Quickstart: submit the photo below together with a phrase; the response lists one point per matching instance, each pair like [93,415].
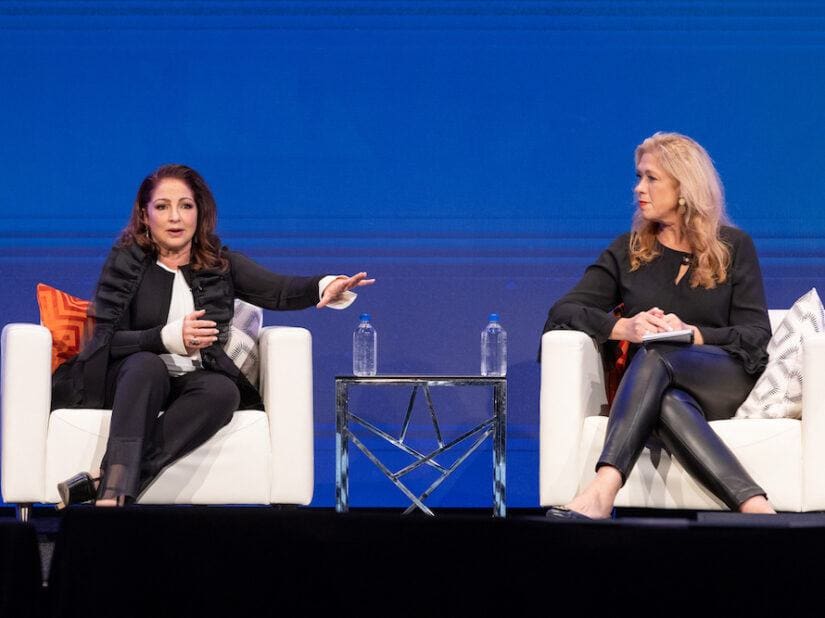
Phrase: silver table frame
[494,426]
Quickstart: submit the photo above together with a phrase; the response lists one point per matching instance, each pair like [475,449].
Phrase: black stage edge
[257,561]
[20,575]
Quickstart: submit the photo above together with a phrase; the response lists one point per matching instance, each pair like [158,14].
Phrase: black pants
[672,391]
[141,443]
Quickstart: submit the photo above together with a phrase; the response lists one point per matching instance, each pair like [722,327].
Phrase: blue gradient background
[473,156]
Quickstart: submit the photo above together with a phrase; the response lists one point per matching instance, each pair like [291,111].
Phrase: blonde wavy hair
[703,212]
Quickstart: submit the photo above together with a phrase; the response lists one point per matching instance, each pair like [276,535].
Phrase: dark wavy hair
[206,246]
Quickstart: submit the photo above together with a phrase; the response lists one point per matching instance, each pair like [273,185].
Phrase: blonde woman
[682,267]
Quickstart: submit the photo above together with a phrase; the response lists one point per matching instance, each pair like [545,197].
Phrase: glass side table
[466,443]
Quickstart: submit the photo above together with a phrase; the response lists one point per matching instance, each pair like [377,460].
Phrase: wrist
[619,330]
[172,337]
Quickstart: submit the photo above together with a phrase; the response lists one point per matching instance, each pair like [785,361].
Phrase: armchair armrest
[572,388]
[813,423]
[286,390]
[26,402]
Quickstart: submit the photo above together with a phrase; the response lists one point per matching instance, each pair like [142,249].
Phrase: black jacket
[130,308]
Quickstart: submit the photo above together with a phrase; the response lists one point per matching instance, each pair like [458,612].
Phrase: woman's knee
[223,396]
[145,366]
[676,404]
[648,361]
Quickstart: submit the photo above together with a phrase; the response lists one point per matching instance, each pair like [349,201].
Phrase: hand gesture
[198,334]
[335,290]
[652,321]
[676,323]
[643,323]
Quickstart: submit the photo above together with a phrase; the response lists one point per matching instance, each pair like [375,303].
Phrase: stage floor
[46,521]
[250,560]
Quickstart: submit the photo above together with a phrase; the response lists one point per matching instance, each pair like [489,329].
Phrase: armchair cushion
[778,391]
[232,467]
[67,320]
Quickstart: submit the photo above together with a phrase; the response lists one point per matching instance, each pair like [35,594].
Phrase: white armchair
[260,457]
[785,456]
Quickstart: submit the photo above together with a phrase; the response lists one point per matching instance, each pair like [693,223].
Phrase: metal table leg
[341,447]
[499,450]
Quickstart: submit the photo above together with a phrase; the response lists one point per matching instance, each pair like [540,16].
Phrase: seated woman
[162,309]
[680,267]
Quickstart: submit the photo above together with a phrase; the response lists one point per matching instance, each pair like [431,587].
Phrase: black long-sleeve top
[733,315]
[139,329]
[131,306]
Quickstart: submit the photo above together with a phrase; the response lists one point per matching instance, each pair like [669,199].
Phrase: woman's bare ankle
[597,499]
[757,505]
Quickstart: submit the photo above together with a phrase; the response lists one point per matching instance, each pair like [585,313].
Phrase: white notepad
[673,336]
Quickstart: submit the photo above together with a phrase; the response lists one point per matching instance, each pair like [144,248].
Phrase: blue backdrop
[472,156]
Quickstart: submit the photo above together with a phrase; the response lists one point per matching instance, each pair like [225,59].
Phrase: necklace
[687,259]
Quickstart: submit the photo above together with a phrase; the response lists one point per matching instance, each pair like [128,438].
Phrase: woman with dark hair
[681,268]
[162,310]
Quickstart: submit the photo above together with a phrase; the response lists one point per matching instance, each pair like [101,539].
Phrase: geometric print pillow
[778,391]
[242,345]
[67,320]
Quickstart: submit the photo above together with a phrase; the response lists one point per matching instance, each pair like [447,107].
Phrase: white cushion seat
[226,470]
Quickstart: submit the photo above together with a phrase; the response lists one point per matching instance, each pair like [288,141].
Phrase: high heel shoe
[560,513]
[79,488]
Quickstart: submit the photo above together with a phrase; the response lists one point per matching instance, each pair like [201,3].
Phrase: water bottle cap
[493,317]
[364,317]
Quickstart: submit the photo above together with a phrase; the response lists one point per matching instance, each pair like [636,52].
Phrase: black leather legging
[672,391]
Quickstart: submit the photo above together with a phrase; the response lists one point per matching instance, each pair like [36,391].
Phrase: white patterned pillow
[778,392]
[242,346]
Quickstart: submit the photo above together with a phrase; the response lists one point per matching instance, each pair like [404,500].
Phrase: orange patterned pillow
[66,318]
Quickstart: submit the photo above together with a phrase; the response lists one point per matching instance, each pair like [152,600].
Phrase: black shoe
[561,513]
[79,488]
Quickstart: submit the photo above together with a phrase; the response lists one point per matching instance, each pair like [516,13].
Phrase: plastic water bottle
[493,348]
[365,348]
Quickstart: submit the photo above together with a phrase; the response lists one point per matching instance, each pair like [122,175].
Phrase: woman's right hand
[198,334]
[644,322]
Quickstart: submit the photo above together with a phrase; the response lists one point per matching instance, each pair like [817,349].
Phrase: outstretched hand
[336,289]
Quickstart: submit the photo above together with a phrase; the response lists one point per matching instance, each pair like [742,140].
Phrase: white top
[178,362]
